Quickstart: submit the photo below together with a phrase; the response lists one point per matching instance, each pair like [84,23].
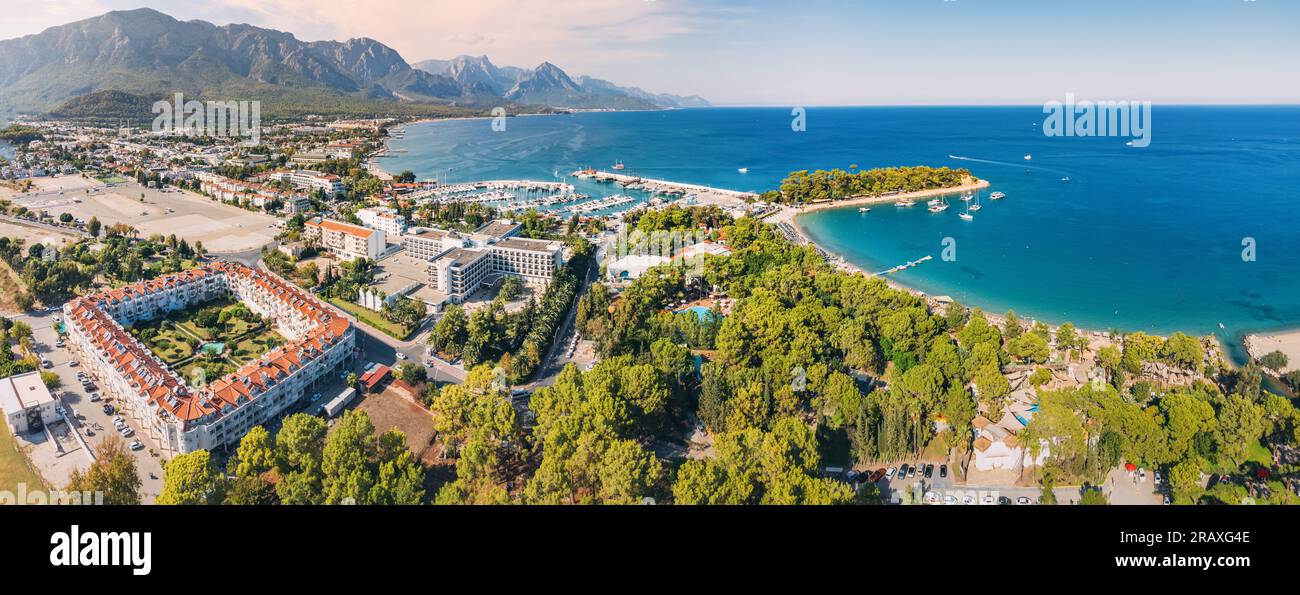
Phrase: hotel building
[180,415]
[329,184]
[344,239]
[458,267]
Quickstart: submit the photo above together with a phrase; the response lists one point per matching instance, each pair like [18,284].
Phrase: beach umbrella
[1130,466]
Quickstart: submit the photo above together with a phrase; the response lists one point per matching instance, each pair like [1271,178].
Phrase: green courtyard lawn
[172,346]
[371,318]
[176,339]
[13,465]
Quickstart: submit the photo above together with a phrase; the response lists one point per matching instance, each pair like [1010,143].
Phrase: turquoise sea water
[1138,239]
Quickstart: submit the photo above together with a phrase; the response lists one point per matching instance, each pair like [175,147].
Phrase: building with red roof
[183,415]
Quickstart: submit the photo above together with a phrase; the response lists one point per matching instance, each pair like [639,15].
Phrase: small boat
[967,197]
[938,208]
[966,217]
[619,166]
[933,201]
[1029,157]
[906,202]
[997,196]
[974,207]
[743,170]
[1065,179]
[864,209]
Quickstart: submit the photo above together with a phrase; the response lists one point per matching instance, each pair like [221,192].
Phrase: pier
[662,187]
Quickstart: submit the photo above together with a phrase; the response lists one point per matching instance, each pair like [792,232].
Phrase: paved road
[92,423]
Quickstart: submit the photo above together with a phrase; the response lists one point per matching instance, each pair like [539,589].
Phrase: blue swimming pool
[702,313]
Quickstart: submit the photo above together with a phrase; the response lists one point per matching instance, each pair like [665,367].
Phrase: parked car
[943,470]
[1142,474]
[889,473]
[94,397]
[950,499]
[967,500]
[986,500]
[911,471]
[1004,501]
[72,363]
[902,471]
[1167,500]
[1022,500]
[127,432]
[136,445]
[929,470]
[108,410]
[401,355]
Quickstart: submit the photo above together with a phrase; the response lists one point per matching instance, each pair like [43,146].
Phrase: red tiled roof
[163,388]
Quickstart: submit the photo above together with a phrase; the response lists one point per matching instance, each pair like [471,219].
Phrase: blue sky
[814,52]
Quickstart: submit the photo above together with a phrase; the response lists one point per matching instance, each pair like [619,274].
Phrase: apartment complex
[27,405]
[384,219]
[177,416]
[344,239]
[259,195]
[329,184]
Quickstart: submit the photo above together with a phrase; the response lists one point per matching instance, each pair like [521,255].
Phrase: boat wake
[1016,164]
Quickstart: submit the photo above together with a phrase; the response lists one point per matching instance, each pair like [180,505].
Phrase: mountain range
[147,53]
[550,86]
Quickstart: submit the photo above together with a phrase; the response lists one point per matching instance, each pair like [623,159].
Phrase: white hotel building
[458,266]
[329,184]
[175,415]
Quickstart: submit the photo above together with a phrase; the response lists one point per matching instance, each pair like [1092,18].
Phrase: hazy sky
[813,52]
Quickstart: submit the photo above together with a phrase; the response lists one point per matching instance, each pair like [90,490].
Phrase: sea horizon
[1107,177]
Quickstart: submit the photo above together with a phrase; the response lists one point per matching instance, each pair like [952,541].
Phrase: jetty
[653,186]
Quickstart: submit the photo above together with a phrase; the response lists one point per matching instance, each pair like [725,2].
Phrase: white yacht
[997,196]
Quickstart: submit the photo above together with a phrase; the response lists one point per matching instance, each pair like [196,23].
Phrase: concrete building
[430,244]
[28,406]
[329,184]
[180,418]
[384,219]
[344,239]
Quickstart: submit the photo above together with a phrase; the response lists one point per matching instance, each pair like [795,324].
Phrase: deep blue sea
[1138,239]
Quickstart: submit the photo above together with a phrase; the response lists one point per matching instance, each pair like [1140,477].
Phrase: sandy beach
[1288,342]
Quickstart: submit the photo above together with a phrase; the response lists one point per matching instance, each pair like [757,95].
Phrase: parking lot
[85,417]
[1120,488]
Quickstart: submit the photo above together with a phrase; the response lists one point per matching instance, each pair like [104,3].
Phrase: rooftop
[499,229]
[527,244]
[23,391]
[339,226]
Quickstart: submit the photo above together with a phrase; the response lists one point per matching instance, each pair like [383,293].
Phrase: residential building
[344,239]
[180,415]
[384,219]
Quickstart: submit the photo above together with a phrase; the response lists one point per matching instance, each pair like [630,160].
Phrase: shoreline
[790,216]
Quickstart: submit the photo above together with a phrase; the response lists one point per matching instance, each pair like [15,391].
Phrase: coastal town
[186,315]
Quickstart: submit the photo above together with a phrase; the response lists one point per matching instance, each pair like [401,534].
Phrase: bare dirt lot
[221,227]
[389,409]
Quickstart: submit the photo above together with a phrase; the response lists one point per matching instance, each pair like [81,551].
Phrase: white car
[949,500]
[136,445]
[1022,500]
[968,500]
[889,473]
[401,355]
[126,432]
[987,500]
